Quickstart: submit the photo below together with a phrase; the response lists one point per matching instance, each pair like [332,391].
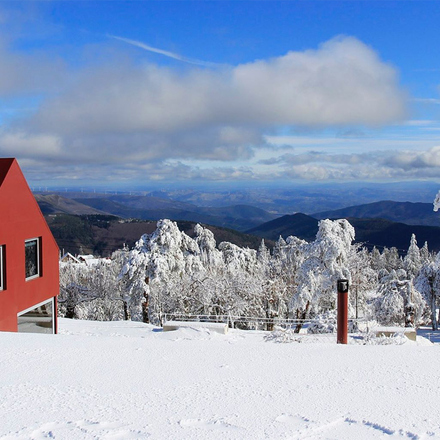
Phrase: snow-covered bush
[371,338]
[323,323]
[281,335]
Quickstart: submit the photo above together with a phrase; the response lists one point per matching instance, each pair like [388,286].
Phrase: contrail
[166,53]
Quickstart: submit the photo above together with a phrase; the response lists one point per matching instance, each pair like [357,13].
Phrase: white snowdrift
[122,380]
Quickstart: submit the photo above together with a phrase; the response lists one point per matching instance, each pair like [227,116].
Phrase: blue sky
[125,94]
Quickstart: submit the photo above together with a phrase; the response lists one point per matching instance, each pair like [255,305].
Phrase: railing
[240,322]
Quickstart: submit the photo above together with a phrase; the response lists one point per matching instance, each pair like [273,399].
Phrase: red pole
[342,335]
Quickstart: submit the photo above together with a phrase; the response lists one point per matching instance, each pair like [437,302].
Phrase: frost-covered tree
[377,260]
[437,202]
[399,302]
[392,259]
[425,255]
[364,280]
[326,261]
[154,268]
[412,261]
[168,272]
[428,283]
[209,254]
[91,292]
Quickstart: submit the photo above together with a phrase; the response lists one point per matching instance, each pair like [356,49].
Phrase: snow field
[128,380]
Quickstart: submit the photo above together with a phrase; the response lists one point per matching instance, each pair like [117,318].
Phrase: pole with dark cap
[342,335]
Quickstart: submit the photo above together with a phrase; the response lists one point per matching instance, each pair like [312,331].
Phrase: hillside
[238,217]
[371,232]
[379,233]
[384,223]
[103,234]
[403,212]
[299,225]
[56,204]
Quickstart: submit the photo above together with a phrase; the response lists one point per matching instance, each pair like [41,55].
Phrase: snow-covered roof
[85,257]
[69,257]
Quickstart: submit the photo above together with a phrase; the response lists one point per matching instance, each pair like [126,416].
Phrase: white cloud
[23,144]
[343,82]
[22,74]
[122,111]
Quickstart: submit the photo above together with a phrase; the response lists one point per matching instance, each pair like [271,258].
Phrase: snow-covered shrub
[281,335]
[370,338]
[323,323]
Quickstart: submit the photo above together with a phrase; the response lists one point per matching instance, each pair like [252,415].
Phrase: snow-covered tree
[326,261]
[392,259]
[412,261]
[91,292]
[428,283]
[437,202]
[425,255]
[154,268]
[399,302]
[364,280]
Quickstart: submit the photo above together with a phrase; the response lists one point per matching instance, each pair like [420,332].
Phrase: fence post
[342,335]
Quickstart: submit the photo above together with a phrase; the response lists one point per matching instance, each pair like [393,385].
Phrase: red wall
[21,219]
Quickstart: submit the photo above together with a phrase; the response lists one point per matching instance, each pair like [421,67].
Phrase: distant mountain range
[384,223]
[56,204]
[404,212]
[239,217]
[289,198]
[371,232]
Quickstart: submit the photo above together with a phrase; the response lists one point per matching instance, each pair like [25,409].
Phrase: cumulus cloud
[22,74]
[145,113]
[343,82]
[373,165]
[23,144]
[408,160]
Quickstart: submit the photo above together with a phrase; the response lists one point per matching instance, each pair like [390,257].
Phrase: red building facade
[29,270]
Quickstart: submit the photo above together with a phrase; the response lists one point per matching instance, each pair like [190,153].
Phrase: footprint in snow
[219,424]
[342,428]
[79,429]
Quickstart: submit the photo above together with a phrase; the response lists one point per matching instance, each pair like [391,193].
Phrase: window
[2,271]
[32,258]
[37,319]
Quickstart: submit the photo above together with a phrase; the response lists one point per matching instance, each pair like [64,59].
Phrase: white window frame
[2,276]
[38,274]
[52,301]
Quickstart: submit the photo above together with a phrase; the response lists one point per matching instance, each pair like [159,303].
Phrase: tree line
[168,273]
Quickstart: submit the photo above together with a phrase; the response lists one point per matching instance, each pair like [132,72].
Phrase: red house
[29,272]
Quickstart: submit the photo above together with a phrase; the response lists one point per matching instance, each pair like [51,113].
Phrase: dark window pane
[31,258]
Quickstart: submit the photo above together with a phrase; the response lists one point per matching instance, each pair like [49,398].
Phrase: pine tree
[412,261]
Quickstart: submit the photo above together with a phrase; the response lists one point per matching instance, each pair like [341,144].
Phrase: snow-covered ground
[128,380]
